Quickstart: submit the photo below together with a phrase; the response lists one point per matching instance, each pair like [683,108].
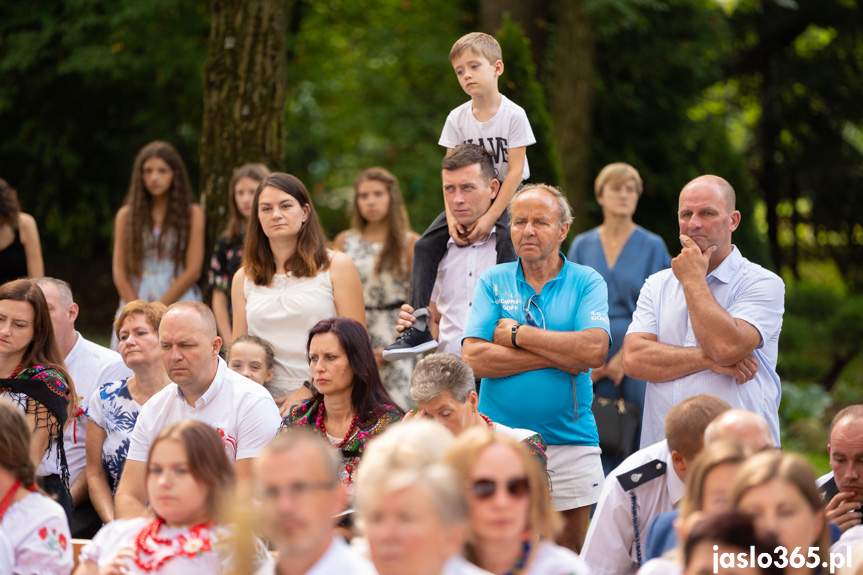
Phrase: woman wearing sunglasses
[512,522]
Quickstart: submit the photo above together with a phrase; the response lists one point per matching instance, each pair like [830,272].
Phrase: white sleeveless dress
[282,313]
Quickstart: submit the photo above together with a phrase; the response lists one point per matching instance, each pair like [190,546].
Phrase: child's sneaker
[413,341]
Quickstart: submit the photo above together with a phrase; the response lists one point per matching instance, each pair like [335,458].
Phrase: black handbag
[617,422]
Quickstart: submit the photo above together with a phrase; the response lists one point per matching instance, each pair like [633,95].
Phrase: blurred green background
[766,93]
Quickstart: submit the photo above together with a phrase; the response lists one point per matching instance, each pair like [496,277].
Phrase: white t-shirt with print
[508,128]
[242,411]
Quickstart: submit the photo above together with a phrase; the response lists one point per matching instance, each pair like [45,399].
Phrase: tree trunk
[571,100]
[244,97]
[531,15]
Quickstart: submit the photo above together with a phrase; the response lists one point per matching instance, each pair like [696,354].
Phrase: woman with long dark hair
[289,281]
[381,245]
[349,404]
[20,249]
[36,381]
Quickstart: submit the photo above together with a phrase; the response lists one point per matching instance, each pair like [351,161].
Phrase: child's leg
[429,250]
[503,240]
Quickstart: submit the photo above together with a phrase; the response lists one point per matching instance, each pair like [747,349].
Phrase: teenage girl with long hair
[159,232]
[20,250]
[381,244]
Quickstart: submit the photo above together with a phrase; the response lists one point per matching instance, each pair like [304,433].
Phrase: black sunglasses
[517,487]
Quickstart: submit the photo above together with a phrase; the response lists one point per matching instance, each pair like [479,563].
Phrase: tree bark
[531,15]
[571,100]
[244,97]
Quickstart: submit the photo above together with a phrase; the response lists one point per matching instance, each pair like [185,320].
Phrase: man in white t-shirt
[300,494]
[90,365]
[203,389]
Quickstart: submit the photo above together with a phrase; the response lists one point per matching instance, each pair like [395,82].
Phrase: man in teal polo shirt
[536,328]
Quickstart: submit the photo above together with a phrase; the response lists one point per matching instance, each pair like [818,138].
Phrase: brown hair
[393,256]
[720,453]
[152,312]
[311,255]
[617,173]
[467,155]
[208,462]
[483,44]
[43,349]
[542,520]
[685,423]
[15,444]
[791,468]
[269,354]
[237,223]
[178,216]
[9,207]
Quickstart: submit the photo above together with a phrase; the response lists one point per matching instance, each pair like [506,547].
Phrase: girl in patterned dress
[381,244]
[159,233]
[36,381]
[228,252]
[114,409]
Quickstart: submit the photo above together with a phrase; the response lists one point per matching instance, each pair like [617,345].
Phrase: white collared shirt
[242,411]
[89,365]
[338,559]
[457,274]
[609,548]
[747,292]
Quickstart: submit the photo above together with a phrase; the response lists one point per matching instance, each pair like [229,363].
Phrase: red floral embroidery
[43,533]
[62,540]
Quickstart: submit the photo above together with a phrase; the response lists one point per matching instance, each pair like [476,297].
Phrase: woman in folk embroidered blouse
[35,380]
[349,404]
[189,481]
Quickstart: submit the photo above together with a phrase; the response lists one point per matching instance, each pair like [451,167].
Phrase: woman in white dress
[189,481]
[381,245]
[37,538]
[512,522]
[290,281]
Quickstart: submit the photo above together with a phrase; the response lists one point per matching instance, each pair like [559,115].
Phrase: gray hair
[62,286]
[442,372]
[563,207]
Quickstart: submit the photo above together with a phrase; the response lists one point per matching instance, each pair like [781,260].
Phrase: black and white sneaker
[413,341]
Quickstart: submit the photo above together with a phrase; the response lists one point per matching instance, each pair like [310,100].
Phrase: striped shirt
[747,292]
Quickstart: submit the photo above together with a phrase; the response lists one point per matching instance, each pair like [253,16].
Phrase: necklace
[522,561]
[319,423]
[195,543]
[7,499]
[487,419]
[16,371]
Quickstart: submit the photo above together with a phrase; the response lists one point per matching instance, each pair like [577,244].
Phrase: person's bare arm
[131,497]
[339,242]
[39,440]
[490,360]
[222,311]
[97,479]
[118,261]
[29,233]
[87,568]
[79,490]
[725,339]
[486,222]
[194,260]
[243,469]
[238,302]
[572,351]
[647,359]
[347,288]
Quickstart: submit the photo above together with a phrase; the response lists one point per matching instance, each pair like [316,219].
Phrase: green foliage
[520,85]
[86,83]
[802,416]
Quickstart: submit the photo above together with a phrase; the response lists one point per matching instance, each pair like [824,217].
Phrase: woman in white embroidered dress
[290,281]
[189,482]
[35,526]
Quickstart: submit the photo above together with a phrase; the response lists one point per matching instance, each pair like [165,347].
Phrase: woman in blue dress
[113,411]
[625,254]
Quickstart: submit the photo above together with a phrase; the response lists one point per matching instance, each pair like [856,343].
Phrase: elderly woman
[114,409]
[624,254]
[36,381]
[778,491]
[35,527]
[512,522]
[349,404]
[444,388]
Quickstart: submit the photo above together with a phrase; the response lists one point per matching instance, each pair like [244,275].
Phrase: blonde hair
[483,44]
[791,468]
[152,312]
[542,520]
[720,453]
[617,173]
